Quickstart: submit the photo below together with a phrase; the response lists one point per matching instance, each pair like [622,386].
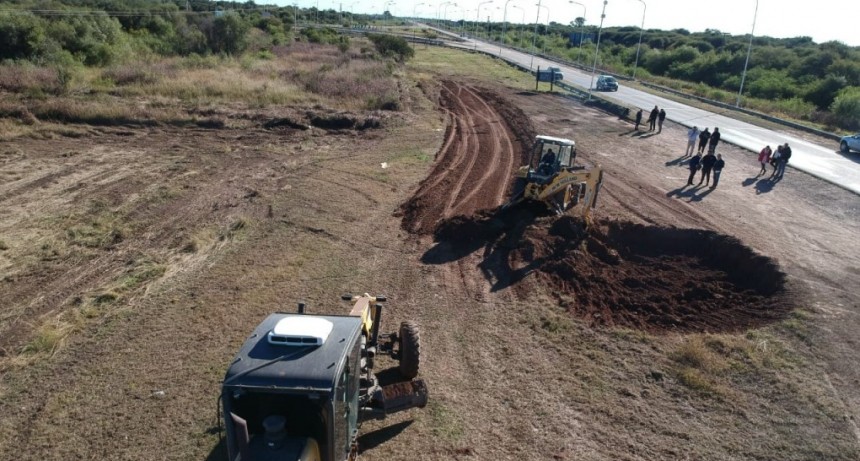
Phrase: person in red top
[764,159]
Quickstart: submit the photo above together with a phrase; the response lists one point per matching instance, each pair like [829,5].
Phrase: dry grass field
[151,216]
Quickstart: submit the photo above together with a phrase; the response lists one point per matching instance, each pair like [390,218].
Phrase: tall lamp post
[414,18]
[641,29]
[749,49]
[351,14]
[504,27]
[478,21]
[534,37]
[597,47]
[547,24]
[464,30]
[523,22]
[439,11]
[581,28]
[385,9]
[445,13]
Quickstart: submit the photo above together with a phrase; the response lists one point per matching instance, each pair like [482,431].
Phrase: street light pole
[641,29]
[478,21]
[581,28]
[445,12]
[439,11]
[749,49]
[534,37]
[547,24]
[597,47]
[523,22]
[504,27]
[414,28]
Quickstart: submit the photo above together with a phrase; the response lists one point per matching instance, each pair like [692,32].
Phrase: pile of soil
[624,274]
[609,273]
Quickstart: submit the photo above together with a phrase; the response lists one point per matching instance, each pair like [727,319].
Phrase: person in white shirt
[692,137]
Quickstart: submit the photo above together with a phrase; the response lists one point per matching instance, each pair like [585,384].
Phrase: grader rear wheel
[410,349]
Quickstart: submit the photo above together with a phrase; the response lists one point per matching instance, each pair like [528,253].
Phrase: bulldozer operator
[547,164]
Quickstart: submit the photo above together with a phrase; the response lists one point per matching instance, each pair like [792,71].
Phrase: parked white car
[849,143]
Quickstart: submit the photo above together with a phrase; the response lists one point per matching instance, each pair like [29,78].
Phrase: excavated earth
[617,273]
[613,273]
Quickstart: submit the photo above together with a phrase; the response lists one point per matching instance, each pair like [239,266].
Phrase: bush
[846,108]
[227,34]
[392,47]
[22,36]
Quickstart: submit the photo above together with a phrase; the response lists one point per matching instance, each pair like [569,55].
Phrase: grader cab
[301,384]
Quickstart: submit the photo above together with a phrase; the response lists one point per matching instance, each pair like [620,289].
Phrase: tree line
[794,76]
[811,81]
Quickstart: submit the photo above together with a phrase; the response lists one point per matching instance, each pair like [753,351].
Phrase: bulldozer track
[473,166]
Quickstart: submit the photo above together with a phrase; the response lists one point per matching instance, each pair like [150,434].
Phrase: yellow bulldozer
[552,177]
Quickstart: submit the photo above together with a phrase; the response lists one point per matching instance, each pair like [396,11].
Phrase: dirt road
[157,250]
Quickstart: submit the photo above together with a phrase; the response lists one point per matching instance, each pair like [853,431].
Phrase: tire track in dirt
[483,144]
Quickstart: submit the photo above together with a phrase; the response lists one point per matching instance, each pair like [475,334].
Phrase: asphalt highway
[821,160]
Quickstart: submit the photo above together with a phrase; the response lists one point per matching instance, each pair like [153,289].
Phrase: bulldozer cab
[552,178]
[549,156]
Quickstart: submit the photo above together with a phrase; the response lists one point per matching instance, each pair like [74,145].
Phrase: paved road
[820,160]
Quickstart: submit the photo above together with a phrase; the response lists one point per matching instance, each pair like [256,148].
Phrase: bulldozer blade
[515,200]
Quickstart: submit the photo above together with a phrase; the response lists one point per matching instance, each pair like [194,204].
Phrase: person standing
[692,136]
[694,165]
[638,119]
[764,159]
[652,118]
[783,161]
[774,160]
[715,139]
[703,140]
[708,162]
[660,118]
[718,170]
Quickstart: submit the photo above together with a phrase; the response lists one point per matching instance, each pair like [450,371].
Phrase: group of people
[778,160]
[656,117]
[705,138]
[707,164]
[711,162]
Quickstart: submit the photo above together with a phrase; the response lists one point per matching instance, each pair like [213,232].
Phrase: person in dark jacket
[782,161]
[694,165]
[708,162]
[638,119]
[703,140]
[718,170]
[660,118]
[652,118]
[715,139]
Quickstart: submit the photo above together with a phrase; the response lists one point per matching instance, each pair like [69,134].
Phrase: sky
[823,20]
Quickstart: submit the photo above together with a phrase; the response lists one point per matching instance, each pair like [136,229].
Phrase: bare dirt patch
[484,143]
[611,274]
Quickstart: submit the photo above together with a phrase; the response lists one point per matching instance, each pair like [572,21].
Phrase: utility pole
[597,47]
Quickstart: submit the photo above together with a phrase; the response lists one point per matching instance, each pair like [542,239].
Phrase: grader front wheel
[410,349]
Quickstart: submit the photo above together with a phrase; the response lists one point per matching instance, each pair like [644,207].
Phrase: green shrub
[846,108]
[392,47]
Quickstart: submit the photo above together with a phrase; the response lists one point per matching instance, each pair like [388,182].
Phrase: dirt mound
[624,274]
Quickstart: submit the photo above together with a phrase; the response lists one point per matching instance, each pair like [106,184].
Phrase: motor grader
[552,177]
[301,384]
